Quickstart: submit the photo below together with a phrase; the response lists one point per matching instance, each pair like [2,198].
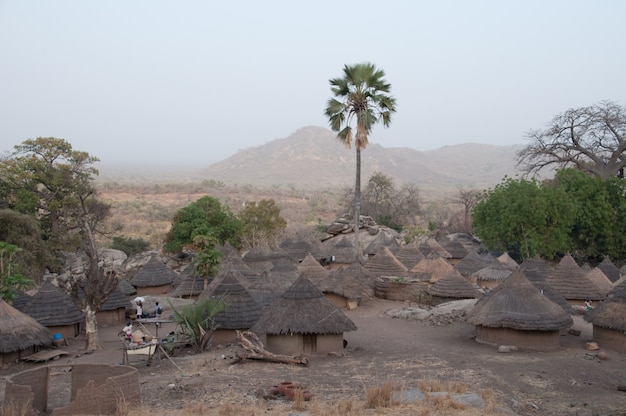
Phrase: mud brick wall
[29,386]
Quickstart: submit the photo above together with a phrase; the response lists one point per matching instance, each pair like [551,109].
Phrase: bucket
[57,336]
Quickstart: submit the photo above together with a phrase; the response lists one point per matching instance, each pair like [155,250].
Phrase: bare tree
[468,199]
[592,139]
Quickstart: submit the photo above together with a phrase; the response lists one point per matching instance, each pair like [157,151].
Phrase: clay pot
[274,390]
[283,386]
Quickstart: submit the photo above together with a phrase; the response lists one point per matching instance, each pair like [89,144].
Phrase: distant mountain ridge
[314,157]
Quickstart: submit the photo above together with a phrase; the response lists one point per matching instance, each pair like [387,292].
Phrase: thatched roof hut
[409,255]
[342,252]
[345,288]
[517,313]
[270,285]
[453,286]
[21,299]
[235,262]
[313,270]
[456,249]
[302,320]
[536,270]
[432,268]
[473,262]
[505,259]
[492,275]
[609,320]
[258,259]
[21,335]
[299,249]
[55,310]
[154,278]
[191,284]
[568,279]
[601,280]
[432,245]
[609,269]
[384,263]
[126,288]
[382,240]
[113,310]
[241,312]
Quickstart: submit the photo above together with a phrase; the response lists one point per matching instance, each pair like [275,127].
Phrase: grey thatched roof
[19,331]
[298,249]
[346,282]
[191,285]
[432,245]
[496,271]
[50,306]
[154,273]
[571,282]
[242,310]
[455,248]
[432,268]
[505,259]
[384,263]
[454,285]
[409,255]
[611,312]
[601,280]
[126,288]
[473,262]
[517,304]
[313,270]
[21,299]
[610,269]
[536,270]
[303,309]
[382,240]
[343,251]
[258,259]
[270,285]
[116,300]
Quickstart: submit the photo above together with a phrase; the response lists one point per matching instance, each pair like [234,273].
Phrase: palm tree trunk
[357,204]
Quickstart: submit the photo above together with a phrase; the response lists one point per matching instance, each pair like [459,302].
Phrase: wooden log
[256,351]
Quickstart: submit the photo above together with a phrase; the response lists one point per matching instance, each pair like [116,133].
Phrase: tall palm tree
[360,97]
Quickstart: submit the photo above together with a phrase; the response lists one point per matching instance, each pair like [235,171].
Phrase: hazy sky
[195,81]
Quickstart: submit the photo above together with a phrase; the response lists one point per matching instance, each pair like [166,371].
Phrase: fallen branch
[256,351]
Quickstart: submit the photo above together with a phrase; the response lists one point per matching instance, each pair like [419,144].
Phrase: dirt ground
[570,381]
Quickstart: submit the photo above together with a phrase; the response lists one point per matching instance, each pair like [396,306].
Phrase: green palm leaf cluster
[196,321]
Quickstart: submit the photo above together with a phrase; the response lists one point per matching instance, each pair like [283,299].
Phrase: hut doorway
[309,343]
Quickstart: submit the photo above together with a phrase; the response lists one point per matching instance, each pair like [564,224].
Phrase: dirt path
[565,382]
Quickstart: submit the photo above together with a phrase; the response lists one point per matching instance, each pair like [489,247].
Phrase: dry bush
[17,408]
[380,396]
[444,403]
[298,399]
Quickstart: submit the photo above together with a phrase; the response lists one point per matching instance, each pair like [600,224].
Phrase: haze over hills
[314,157]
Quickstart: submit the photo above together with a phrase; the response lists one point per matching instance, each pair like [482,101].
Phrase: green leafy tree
[197,321]
[11,281]
[23,231]
[600,213]
[49,180]
[262,223]
[361,97]
[525,218]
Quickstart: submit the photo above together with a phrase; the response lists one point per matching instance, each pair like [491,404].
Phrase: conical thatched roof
[154,273]
[20,331]
[344,282]
[126,288]
[601,280]
[456,249]
[611,312]
[536,270]
[610,269]
[454,285]
[431,245]
[343,251]
[409,255]
[382,240]
[51,306]
[298,249]
[517,304]
[303,309]
[191,284]
[313,270]
[384,263]
[495,272]
[571,282]
[242,310]
[258,259]
[21,299]
[431,268]
[473,262]
[270,285]
[505,259]
[116,300]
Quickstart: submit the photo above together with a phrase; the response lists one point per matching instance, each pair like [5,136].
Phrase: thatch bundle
[20,331]
[303,309]
[571,282]
[517,304]
[154,273]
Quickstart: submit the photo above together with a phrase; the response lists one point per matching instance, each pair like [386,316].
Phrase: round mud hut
[302,320]
[568,279]
[609,320]
[453,286]
[154,278]
[20,335]
[517,313]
